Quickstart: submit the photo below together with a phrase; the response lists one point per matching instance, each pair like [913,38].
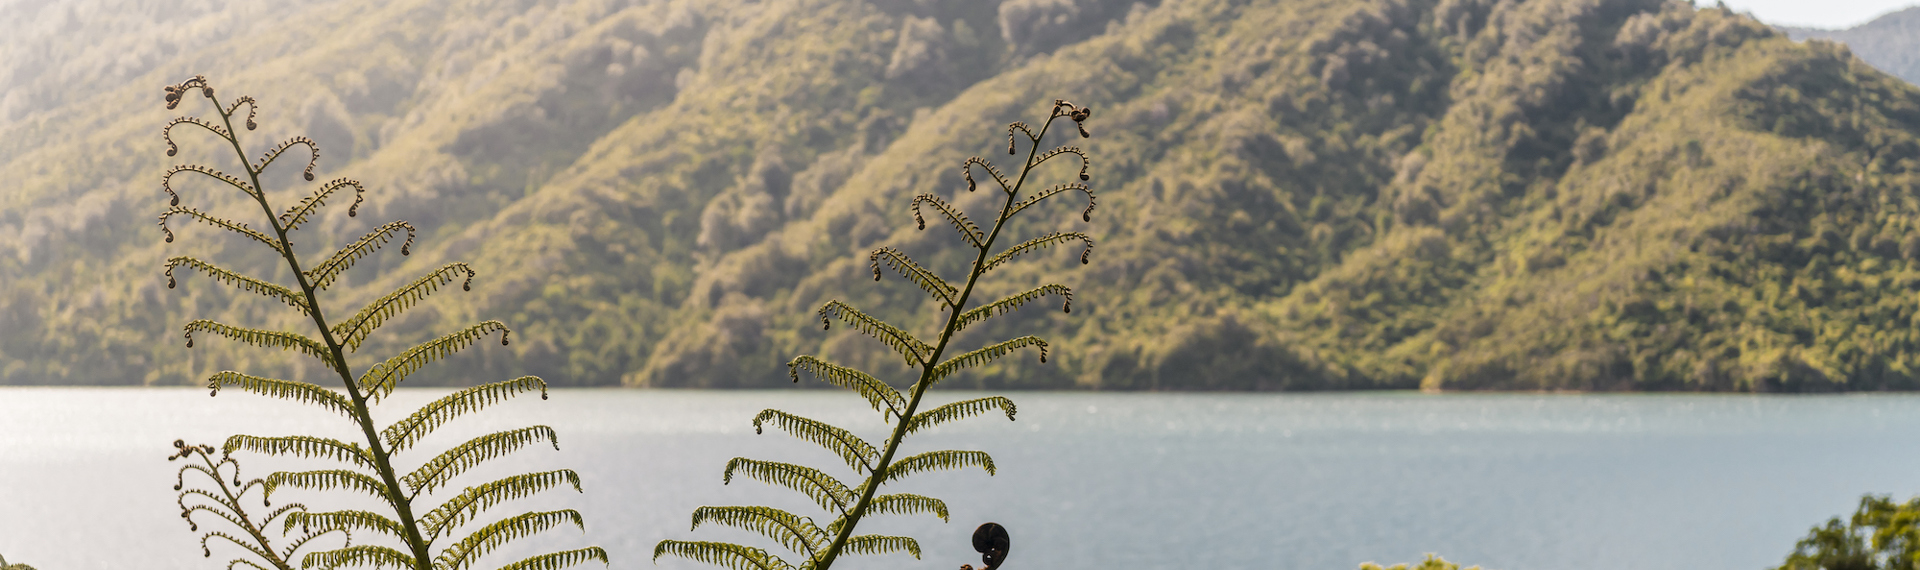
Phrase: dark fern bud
[1083,255]
[252,125]
[543,394]
[1083,171]
[503,337]
[175,201]
[1009,142]
[406,248]
[1083,131]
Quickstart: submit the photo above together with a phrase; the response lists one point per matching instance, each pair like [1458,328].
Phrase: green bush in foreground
[1432,562]
[1881,535]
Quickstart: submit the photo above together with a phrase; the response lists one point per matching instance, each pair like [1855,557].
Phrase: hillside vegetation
[1890,42]
[1294,194]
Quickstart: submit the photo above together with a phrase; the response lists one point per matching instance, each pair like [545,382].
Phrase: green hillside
[1890,42]
[1294,194]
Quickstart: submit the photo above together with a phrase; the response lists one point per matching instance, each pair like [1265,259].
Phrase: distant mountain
[1294,194]
[1890,43]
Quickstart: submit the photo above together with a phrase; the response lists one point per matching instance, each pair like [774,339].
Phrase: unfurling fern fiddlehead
[226,502]
[849,504]
[407,534]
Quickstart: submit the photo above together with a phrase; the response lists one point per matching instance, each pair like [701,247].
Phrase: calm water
[1135,481]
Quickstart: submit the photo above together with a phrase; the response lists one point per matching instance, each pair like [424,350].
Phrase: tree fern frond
[722,554]
[960,410]
[961,223]
[966,170]
[1084,161]
[507,530]
[262,338]
[1038,243]
[912,270]
[279,149]
[907,504]
[901,341]
[985,355]
[284,389]
[166,133]
[1015,301]
[797,533]
[462,508]
[221,223]
[877,544]
[858,454]
[474,452]
[382,378]
[299,213]
[343,520]
[1085,215]
[327,271]
[303,446]
[829,492]
[244,283]
[402,434]
[876,392]
[938,461]
[357,328]
[166,181]
[327,480]
[358,555]
[558,560]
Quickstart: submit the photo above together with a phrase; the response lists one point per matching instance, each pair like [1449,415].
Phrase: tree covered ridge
[1551,194]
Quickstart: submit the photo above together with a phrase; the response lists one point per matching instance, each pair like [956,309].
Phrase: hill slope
[1890,42]
[1295,194]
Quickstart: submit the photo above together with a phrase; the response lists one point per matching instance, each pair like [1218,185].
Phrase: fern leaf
[262,338]
[404,433]
[1085,215]
[1038,243]
[303,446]
[284,389]
[1022,127]
[966,170]
[474,452]
[166,133]
[907,504]
[912,348]
[558,560]
[244,283]
[509,529]
[858,454]
[986,355]
[221,223]
[327,480]
[343,520]
[959,410]
[364,555]
[166,180]
[876,392]
[279,149]
[299,213]
[1084,161]
[911,270]
[877,544]
[938,461]
[252,109]
[382,378]
[1013,302]
[462,508]
[248,545]
[722,554]
[327,271]
[961,223]
[797,533]
[357,328]
[830,493]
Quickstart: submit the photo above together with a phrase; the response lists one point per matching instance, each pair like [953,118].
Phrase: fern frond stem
[879,472]
[403,508]
[245,523]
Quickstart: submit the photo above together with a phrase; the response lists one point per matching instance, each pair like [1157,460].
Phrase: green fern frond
[365,555]
[829,492]
[1084,161]
[262,338]
[299,213]
[244,283]
[797,533]
[357,328]
[901,341]
[327,271]
[877,544]
[986,355]
[284,389]
[343,520]
[1085,215]
[961,223]
[507,530]
[858,454]
[1038,243]
[462,508]
[966,170]
[722,554]
[959,410]
[938,461]
[327,480]
[876,392]
[1013,302]
[303,446]
[474,452]
[166,180]
[279,149]
[382,378]
[404,433]
[912,270]
[558,560]
[166,132]
[907,504]
[221,223]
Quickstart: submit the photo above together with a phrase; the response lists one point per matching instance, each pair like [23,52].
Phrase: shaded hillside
[1890,43]
[1295,194]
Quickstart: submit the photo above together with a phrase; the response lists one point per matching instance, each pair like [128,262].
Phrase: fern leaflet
[283,389]
[299,213]
[558,560]
[509,529]
[221,223]
[829,492]
[907,504]
[1012,302]
[986,355]
[911,270]
[326,480]
[877,544]
[303,446]
[462,508]
[1038,243]
[242,282]
[858,454]
[797,533]
[358,555]
[961,223]
[1085,215]
[901,341]
[726,555]
[344,520]
[402,434]
[357,328]
[474,452]
[382,378]
[327,271]
[938,461]
[261,338]
[876,392]
[960,410]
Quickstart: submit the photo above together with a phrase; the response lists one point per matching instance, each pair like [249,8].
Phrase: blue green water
[1135,481]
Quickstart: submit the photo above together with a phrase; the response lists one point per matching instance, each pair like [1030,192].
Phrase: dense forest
[1294,194]
[1890,43]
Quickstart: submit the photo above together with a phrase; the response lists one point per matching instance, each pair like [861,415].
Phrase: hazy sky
[1815,13]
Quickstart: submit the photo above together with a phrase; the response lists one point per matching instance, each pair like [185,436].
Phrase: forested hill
[1294,194]
[1890,42]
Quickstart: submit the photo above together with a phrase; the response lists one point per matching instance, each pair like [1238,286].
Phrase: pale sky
[1830,14]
